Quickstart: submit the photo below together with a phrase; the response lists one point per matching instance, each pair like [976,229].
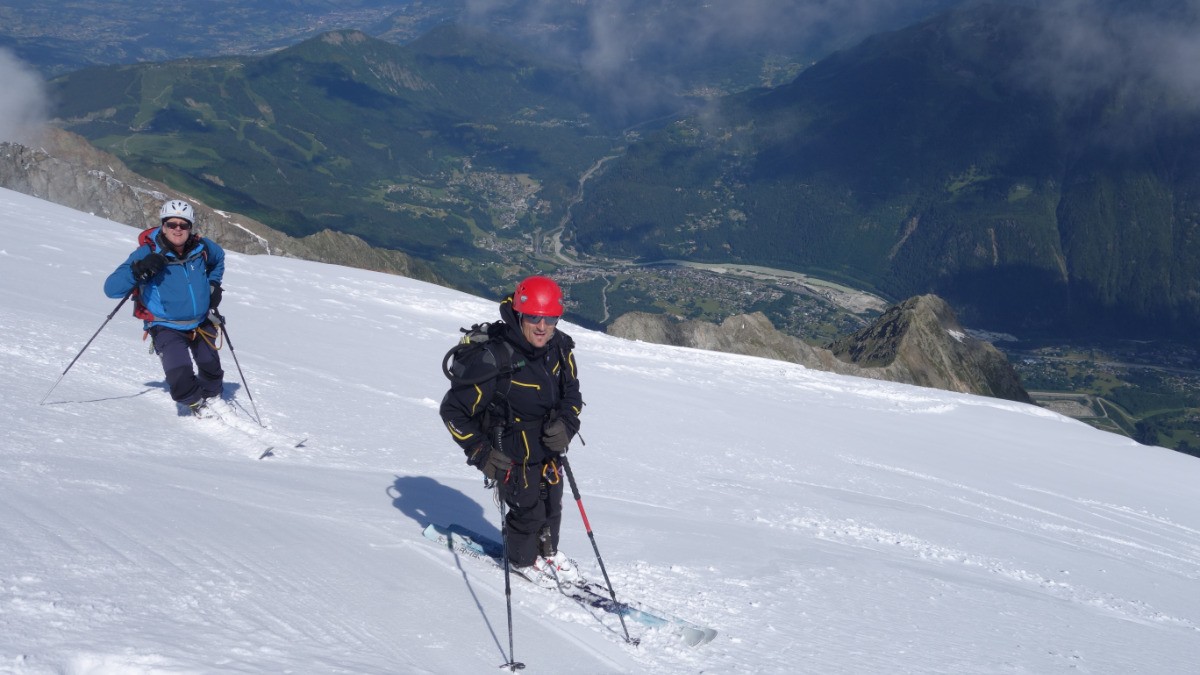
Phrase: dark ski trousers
[534,496]
[177,349]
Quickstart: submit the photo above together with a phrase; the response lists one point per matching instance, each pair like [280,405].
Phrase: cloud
[23,105]
[645,50]
[1134,64]
[1147,52]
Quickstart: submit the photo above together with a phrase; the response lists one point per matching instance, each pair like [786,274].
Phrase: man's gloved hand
[494,464]
[147,267]
[214,295]
[555,434]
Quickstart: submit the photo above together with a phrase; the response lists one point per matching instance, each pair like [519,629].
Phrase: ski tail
[474,545]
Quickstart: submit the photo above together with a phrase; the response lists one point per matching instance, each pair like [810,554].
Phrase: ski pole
[512,664]
[89,342]
[220,321]
[588,526]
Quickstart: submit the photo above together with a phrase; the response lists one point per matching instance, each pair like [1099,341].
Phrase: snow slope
[822,524]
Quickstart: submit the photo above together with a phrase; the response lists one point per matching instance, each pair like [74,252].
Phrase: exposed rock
[916,342]
[750,334]
[76,175]
[921,342]
[65,169]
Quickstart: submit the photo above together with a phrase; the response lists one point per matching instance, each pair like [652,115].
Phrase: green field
[1124,388]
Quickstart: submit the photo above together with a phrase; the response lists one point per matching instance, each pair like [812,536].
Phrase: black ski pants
[177,349]
[534,495]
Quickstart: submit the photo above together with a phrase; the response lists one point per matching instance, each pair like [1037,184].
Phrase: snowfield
[821,523]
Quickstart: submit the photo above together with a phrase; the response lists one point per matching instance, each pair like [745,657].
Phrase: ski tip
[694,637]
[267,452]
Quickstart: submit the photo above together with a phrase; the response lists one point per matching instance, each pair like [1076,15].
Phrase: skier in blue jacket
[178,279]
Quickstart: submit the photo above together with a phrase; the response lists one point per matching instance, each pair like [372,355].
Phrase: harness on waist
[215,339]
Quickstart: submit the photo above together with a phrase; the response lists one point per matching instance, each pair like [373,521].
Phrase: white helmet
[177,208]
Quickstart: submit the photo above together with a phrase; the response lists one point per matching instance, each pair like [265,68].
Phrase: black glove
[214,296]
[147,267]
[555,434]
[494,464]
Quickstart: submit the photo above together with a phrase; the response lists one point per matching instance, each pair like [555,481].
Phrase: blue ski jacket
[178,295]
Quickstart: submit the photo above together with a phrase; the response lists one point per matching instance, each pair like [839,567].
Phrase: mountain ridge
[67,170]
[923,160]
[918,341]
[395,135]
[81,177]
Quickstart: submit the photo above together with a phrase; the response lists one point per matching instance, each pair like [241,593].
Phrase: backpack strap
[139,309]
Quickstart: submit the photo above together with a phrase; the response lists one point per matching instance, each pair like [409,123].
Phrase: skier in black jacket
[514,409]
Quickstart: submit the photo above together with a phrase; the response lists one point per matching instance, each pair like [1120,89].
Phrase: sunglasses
[534,320]
[177,226]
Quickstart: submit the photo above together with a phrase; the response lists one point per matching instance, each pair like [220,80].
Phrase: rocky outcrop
[65,169]
[921,342]
[916,342]
[76,175]
[750,334]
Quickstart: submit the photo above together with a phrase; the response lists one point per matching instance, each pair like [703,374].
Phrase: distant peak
[339,37]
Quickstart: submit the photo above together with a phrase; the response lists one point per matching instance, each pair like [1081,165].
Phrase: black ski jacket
[508,410]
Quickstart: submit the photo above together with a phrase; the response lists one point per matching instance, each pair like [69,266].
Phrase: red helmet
[538,296]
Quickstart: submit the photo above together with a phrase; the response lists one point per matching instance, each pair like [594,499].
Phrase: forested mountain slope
[937,158]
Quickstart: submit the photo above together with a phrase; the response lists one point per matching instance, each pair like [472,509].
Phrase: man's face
[538,333]
[178,230]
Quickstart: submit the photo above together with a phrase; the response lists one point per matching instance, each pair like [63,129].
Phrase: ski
[270,451]
[229,419]
[588,593]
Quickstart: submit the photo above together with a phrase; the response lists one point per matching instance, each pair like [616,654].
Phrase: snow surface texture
[823,524]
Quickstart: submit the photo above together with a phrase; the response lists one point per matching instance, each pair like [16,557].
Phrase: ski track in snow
[1185,561]
[1004,512]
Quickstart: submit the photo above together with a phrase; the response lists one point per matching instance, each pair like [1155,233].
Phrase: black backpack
[485,341]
